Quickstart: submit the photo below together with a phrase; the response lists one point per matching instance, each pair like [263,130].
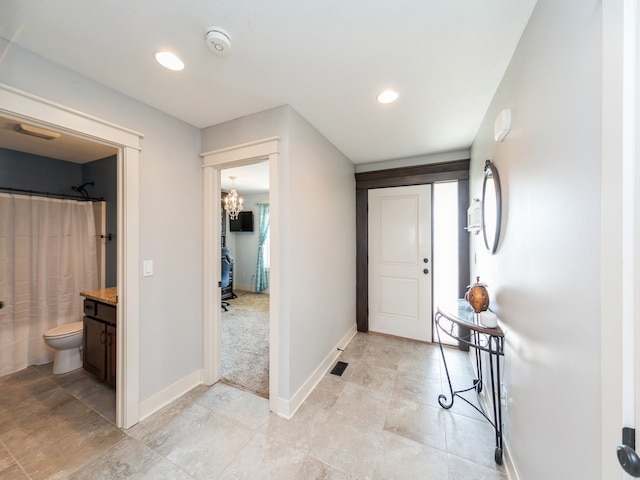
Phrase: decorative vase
[477,296]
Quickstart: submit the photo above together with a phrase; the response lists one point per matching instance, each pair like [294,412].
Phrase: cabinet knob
[425,271]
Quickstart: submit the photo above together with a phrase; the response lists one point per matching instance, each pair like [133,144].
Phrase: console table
[482,339]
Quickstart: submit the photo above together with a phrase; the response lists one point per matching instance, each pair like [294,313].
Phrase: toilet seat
[63,331]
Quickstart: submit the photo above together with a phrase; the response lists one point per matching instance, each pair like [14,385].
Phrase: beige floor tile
[472,440]
[350,448]
[245,408]
[355,349]
[461,469]
[299,430]
[370,375]
[417,421]
[419,389]
[379,420]
[427,366]
[165,430]
[207,451]
[400,458]
[69,453]
[13,472]
[47,428]
[361,406]
[130,459]
[6,459]
[265,459]
[327,392]
[316,470]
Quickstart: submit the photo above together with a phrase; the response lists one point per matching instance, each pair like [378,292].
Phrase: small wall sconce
[474,217]
[502,125]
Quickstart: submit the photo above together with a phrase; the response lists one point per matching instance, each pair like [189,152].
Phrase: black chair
[226,282]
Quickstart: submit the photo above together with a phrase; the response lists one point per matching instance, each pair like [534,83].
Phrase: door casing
[399,177]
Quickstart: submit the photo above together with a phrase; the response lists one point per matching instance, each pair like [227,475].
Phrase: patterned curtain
[262,276]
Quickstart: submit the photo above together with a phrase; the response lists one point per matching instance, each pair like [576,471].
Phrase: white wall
[170,195]
[544,277]
[317,282]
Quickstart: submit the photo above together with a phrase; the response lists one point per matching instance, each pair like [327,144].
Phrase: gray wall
[170,195]
[315,185]
[544,277]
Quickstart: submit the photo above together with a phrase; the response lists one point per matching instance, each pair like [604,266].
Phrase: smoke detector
[218,41]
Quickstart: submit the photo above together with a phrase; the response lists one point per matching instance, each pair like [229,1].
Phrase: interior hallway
[379,420]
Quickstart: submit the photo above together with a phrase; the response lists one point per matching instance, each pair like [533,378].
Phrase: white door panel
[399,244]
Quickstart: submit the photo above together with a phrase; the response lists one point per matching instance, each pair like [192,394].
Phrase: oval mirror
[491,207]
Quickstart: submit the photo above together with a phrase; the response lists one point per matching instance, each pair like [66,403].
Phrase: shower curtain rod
[51,194]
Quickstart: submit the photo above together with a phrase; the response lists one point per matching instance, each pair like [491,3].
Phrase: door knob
[629,460]
[627,456]
[425,271]
[425,260]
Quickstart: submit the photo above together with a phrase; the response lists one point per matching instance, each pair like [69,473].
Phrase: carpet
[245,343]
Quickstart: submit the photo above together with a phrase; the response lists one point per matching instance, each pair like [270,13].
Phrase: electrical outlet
[504,398]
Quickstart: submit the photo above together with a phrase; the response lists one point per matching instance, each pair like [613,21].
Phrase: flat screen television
[244,222]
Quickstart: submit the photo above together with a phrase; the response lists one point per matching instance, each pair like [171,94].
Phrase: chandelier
[233,202]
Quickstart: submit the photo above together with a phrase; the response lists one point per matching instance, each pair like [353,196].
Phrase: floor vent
[339,368]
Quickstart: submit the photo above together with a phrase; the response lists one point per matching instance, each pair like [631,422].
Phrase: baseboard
[512,471]
[169,394]
[287,408]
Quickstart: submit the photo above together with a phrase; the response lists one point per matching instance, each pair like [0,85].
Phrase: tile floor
[380,420]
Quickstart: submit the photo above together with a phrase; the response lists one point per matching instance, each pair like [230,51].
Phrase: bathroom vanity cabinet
[99,352]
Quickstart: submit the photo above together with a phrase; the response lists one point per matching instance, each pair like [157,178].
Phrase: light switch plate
[147,268]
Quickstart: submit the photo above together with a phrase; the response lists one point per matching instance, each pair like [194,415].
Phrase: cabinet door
[93,353]
[111,356]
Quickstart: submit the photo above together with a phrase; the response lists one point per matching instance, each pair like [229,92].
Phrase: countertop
[104,295]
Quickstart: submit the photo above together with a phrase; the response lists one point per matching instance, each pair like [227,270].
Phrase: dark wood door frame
[401,177]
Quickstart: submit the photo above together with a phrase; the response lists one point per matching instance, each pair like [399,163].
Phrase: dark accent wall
[33,172]
[104,173]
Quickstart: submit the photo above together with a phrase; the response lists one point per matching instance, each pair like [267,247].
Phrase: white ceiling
[328,59]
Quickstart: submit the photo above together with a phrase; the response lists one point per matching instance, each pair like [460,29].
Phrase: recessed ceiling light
[388,96]
[169,60]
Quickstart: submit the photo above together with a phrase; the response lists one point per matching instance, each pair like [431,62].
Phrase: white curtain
[47,257]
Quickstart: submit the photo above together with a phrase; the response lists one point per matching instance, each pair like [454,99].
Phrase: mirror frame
[490,170]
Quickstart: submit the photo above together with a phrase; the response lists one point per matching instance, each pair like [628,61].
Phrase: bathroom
[69,171]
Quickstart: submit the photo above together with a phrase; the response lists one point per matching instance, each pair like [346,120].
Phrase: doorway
[214,162]
[400,270]
[22,106]
[244,319]
[457,170]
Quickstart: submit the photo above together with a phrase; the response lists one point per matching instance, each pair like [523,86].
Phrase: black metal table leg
[482,339]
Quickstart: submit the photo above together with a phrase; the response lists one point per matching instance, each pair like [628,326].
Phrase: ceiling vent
[218,41]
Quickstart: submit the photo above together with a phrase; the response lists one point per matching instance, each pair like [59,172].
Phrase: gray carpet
[245,343]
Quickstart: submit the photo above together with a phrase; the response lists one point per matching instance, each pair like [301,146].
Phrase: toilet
[66,340]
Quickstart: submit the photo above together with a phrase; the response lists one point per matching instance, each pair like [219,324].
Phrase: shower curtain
[47,257]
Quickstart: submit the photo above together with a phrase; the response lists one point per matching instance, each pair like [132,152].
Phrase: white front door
[400,261]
